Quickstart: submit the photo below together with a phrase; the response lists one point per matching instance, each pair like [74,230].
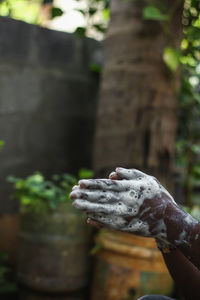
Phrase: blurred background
[86,86]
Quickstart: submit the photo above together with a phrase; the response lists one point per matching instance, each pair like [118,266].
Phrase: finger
[114,176]
[94,223]
[110,221]
[104,184]
[96,196]
[93,207]
[118,209]
[75,187]
[73,194]
[130,173]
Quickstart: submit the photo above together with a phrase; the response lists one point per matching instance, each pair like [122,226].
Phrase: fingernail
[112,174]
[73,195]
[119,169]
[82,184]
[75,187]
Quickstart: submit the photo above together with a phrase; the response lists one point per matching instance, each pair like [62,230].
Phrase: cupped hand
[129,200]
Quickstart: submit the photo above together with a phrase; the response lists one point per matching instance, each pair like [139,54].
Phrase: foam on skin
[136,203]
[113,202]
[189,219]
[182,239]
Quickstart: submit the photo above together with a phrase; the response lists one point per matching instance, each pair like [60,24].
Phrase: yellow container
[128,267]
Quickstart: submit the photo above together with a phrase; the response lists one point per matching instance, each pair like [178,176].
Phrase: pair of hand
[129,201]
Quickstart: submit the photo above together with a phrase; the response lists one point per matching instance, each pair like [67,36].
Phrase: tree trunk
[137,113]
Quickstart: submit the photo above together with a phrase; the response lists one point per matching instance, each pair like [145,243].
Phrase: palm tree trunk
[137,112]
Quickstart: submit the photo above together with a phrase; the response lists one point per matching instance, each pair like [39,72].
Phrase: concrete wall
[47,102]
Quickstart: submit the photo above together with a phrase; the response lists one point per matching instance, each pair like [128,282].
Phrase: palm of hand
[133,202]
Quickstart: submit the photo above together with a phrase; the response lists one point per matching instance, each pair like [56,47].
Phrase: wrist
[182,229]
[164,247]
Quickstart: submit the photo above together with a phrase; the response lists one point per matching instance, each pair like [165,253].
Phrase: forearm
[183,232]
[184,273]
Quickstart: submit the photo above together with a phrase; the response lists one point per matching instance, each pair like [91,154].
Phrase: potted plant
[54,237]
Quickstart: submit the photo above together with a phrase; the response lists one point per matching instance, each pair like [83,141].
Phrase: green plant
[188,56]
[95,13]
[188,146]
[24,10]
[35,192]
[96,16]
[159,11]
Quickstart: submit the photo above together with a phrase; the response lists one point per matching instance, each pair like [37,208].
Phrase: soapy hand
[129,201]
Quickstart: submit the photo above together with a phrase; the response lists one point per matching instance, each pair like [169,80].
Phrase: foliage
[6,282]
[171,58]
[95,67]
[24,10]
[96,15]
[188,146]
[154,13]
[97,247]
[35,192]
[56,12]
[158,11]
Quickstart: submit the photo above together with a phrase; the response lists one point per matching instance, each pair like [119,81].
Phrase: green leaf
[69,179]
[35,178]
[99,27]
[184,44]
[106,14]
[171,58]
[96,248]
[153,13]
[92,11]
[25,200]
[56,12]
[12,179]
[188,60]
[95,67]
[193,33]
[85,173]
[80,31]
[195,149]
[19,184]
[35,191]
[82,11]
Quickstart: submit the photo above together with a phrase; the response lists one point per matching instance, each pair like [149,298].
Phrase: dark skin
[178,239]
[184,273]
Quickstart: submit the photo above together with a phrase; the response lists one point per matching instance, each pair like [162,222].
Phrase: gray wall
[47,102]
